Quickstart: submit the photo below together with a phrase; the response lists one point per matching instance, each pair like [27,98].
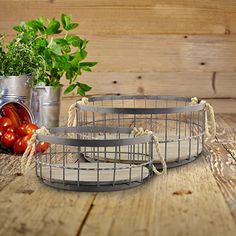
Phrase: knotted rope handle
[210,122]
[139,132]
[72,111]
[27,157]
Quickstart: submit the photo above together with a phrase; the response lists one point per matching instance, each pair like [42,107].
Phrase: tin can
[45,105]
[16,88]
[23,112]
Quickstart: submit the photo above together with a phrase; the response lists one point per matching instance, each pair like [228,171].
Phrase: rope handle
[72,111]
[210,122]
[139,132]
[27,157]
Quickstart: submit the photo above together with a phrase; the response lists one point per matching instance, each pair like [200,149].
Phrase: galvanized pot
[5,102]
[45,105]
[16,88]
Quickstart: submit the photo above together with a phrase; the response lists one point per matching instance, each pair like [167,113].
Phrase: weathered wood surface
[117,17]
[192,42]
[196,199]
[162,53]
[222,85]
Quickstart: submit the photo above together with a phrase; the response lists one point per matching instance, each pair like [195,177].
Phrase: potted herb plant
[60,53]
[17,63]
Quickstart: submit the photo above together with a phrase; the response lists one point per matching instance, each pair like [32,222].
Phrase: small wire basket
[65,163]
[178,124]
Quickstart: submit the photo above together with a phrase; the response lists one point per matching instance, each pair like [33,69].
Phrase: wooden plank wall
[176,47]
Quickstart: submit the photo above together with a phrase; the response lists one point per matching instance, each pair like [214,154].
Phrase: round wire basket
[65,163]
[178,124]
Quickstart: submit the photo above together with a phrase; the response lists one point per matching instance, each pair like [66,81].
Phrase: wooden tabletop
[196,199]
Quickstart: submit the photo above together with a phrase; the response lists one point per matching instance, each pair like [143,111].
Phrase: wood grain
[160,18]
[159,211]
[162,83]
[201,191]
[219,156]
[162,53]
[28,207]
[217,4]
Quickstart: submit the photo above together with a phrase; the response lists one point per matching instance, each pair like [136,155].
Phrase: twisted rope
[27,157]
[210,122]
[72,111]
[139,132]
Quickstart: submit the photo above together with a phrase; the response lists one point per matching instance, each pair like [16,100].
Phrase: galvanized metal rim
[16,76]
[93,142]
[118,110]
[17,101]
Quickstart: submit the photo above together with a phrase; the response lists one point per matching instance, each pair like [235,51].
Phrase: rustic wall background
[178,47]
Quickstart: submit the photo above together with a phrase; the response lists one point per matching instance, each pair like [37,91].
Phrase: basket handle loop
[210,122]
[139,132]
[72,111]
[27,157]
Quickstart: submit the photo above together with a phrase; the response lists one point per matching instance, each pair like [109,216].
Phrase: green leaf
[67,24]
[66,49]
[90,64]
[86,68]
[70,75]
[41,20]
[78,56]
[40,42]
[65,20]
[76,41]
[72,26]
[53,27]
[84,44]
[80,91]
[62,42]
[55,74]
[35,25]
[62,63]
[84,87]
[54,47]
[18,28]
[70,88]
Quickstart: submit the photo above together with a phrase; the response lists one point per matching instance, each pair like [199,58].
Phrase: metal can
[45,105]
[16,88]
[23,112]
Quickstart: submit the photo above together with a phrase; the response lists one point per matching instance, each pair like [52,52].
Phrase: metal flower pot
[16,88]
[45,105]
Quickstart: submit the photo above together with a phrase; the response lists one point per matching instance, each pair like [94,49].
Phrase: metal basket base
[90,181]
[177,163]
[92,188]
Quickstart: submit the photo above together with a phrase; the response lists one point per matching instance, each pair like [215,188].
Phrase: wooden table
[196,199]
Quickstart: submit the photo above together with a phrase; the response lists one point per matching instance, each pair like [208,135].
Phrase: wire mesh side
[94,167]
[179,126]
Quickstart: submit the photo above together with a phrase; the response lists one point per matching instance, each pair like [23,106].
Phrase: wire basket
[64,165]
[179,125]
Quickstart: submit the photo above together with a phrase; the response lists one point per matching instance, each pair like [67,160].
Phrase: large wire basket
[65,163]
[179,124]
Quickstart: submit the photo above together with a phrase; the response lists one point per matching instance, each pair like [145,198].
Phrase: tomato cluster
[16,130]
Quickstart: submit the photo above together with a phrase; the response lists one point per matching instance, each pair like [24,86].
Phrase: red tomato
[5,121]
[8,139]
[12,129]
[42,147]
[31,128]
[25,140]
[24,115]
[2,131]
[11,112]
[21,130]
[18,149]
